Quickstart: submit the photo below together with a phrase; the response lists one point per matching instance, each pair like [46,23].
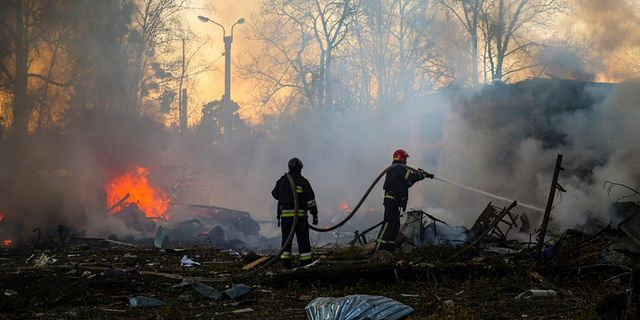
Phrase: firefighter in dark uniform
[286,211]
[396,194]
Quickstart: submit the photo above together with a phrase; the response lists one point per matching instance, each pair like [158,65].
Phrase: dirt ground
[81,285]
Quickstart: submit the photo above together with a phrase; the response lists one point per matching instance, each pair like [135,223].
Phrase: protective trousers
[390,227]
[302,235]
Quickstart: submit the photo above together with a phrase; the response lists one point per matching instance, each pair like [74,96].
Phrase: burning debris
[7,243]
[133,188]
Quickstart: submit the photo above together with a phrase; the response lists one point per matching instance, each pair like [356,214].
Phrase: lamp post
[227,55]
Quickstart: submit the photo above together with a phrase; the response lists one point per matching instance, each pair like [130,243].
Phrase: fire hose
[364,197]
[296,205]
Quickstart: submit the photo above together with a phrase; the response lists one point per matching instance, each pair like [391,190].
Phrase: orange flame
[152,202]
[344,207]
[7,243]
[2,216]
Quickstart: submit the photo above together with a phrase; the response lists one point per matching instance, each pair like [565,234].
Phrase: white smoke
[597,145]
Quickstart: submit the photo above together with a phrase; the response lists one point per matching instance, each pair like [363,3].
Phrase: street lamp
[227,55]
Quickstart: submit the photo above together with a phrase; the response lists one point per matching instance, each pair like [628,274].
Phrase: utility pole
[227,69]
[227,56]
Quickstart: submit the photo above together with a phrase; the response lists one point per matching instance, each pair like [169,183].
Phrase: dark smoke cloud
[507,143]
[565,62]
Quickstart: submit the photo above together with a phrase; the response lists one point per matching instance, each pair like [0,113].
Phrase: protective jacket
[306,197]
[397,183]
[286,212]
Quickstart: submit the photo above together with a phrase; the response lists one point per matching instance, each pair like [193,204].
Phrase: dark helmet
[295,165]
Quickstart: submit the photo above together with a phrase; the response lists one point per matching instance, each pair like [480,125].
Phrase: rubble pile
[580,274]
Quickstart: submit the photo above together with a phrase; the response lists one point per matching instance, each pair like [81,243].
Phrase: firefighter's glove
[314,213]
[278,222]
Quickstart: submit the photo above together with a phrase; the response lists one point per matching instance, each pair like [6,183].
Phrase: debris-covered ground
[89,282]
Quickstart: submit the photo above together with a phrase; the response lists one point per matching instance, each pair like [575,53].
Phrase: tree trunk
[328,94]
[21,103]
[319,85]
[182,112]
[499,38]
[402,81]
[474,59]
[44,113]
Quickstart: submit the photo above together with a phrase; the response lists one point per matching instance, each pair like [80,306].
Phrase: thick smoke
[512,152]
[569,62]
[508,149]
[500,138]
[609,29]
[611,24]
[57,177]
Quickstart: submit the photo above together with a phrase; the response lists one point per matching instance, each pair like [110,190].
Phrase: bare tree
[42,63]
[23,31]
[508,28]
[154,33]
[468,13]
[187,68]
[301,39]
[394,48]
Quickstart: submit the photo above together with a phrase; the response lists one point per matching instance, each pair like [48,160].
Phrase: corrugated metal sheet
[357,307]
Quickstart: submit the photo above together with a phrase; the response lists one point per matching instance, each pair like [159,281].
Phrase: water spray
[375,181]
[532,207]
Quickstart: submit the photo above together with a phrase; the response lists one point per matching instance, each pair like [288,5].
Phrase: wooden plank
[545,283]
[256,263]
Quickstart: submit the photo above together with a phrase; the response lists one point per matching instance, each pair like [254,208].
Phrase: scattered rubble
[535,293]
[141,301]
[205,290]
[244,310]
[42,260]
[237,291]
[582,274]
[256,263]
[186,262]
[161,239]
[10,292]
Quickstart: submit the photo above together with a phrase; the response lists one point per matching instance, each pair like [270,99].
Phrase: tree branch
[48,80]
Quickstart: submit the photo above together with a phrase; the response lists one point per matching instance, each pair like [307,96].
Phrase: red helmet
[400,155]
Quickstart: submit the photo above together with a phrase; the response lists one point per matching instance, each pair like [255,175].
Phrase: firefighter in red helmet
[397,182]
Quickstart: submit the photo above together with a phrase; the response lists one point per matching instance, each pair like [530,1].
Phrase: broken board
[256,263]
